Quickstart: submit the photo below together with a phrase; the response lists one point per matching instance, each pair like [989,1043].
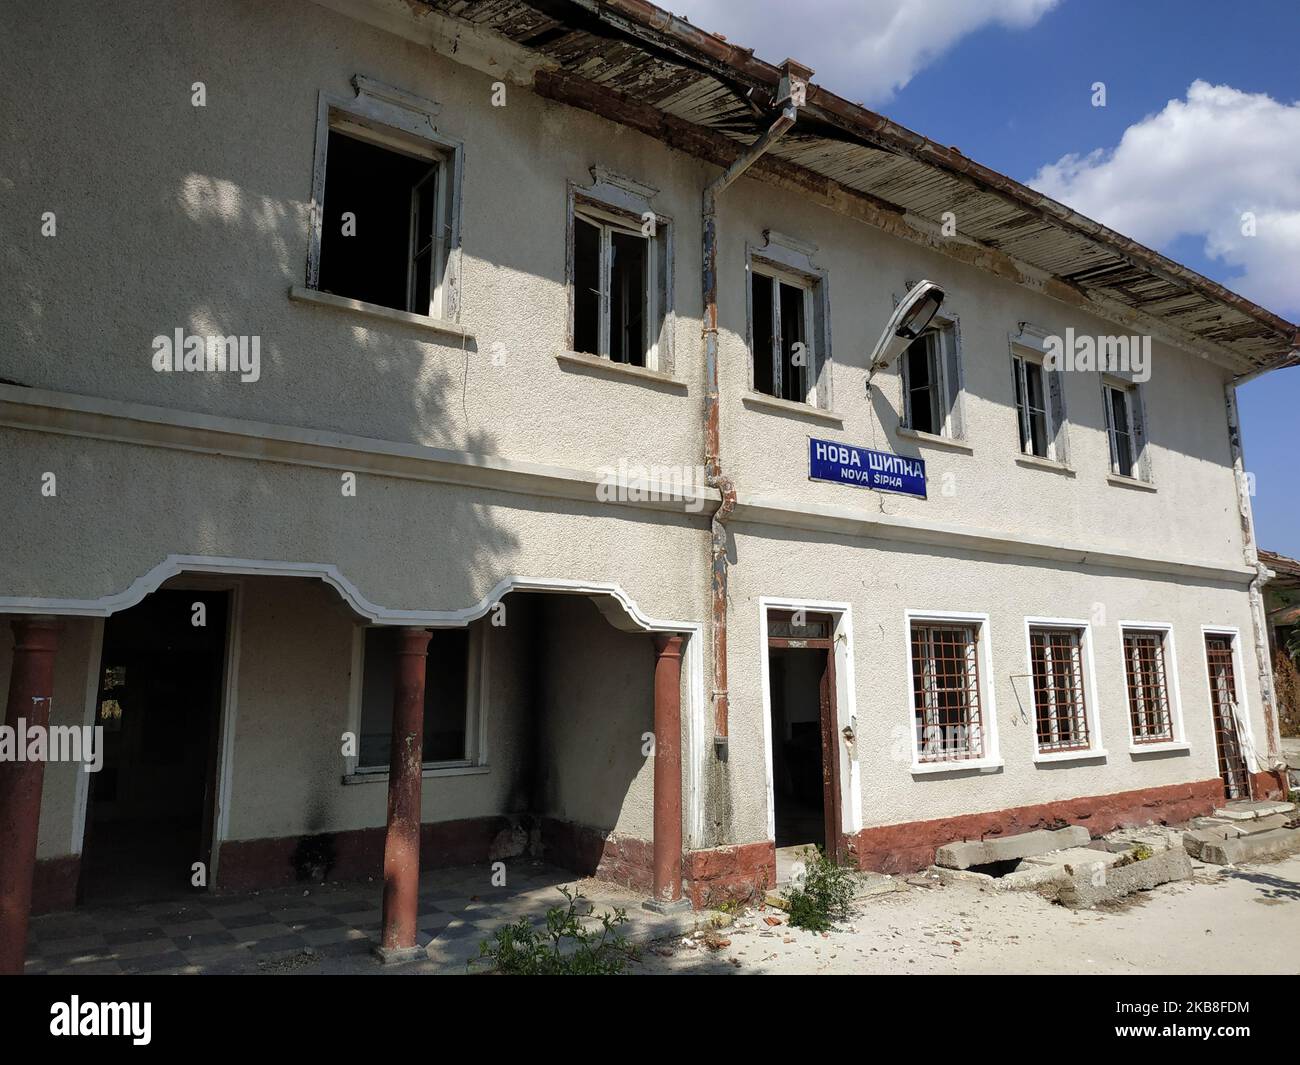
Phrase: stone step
[1250,811]
[1276,842]
[1008,848]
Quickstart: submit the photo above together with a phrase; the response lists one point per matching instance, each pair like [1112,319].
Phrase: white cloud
[1194,169]
[864,50]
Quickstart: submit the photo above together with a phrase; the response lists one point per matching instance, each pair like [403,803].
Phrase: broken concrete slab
[1271,844]
[1196,840]
[871,885]
[1031,874]
[1155,838]
[1263,824]
[1078,857]
[1250,811]
[1096,883]
[970,853]
[1226,829]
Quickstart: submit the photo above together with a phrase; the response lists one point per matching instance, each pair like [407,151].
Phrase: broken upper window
[1031,408]
[447,707]
[384,222]
[946,691]
[786,345]
[1056,673]
[1124,430]
[617,281]
[932,383]
[1150,718]
[1040,407]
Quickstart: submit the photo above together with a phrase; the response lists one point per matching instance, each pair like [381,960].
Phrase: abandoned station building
[446,432]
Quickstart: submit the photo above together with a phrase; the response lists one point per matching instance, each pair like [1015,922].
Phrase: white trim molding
[1096,750]
[122,421]
[1179,742]
[990,760]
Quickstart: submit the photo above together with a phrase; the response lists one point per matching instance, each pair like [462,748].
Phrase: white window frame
[1024,429]
[789,261]
[1243,700]
[991,759]
[1030,342]
[616,202]
[476,711]
[1091,705]
[399,121]
[608,223]
[780,277]
[947,331]
[1135,416]
[1179,740]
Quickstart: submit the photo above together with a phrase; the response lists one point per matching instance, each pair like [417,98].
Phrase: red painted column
[668,775]
[402,842]
[31,686]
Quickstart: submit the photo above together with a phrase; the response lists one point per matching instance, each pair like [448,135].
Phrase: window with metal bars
[946,691]
[1150,718]
[1056,664]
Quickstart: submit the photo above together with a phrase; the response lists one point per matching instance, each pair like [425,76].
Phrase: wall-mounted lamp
[910,318]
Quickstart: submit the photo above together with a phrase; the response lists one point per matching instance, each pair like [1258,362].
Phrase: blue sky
[1201,124]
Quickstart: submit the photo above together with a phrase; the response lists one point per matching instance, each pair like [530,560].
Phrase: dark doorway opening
[150,809]
[805,773]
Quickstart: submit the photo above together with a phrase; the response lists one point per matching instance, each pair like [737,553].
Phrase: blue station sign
[865,468]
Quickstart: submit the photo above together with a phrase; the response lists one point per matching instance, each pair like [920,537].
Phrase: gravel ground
[1223,921]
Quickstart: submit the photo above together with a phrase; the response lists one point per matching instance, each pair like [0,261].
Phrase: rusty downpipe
[791,96]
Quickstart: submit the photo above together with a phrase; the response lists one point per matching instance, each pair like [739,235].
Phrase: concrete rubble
[1243,832]
[1066,865]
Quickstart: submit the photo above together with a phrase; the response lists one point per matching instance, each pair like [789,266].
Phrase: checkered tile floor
[311,929]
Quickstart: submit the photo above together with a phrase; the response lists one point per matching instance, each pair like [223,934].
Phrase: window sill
[380,776]
[1071,756]
[963,765]
[934,440]
[1120,481]
[1040,463]
[770,404]
[440,326]
[620,369]
[1172,747]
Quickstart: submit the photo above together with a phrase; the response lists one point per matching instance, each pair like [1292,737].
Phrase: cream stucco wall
[880,582]
[209,206]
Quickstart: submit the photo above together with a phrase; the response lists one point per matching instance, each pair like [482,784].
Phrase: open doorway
[805,768]
[150,809]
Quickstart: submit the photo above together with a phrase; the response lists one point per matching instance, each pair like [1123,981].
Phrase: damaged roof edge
[660,27]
